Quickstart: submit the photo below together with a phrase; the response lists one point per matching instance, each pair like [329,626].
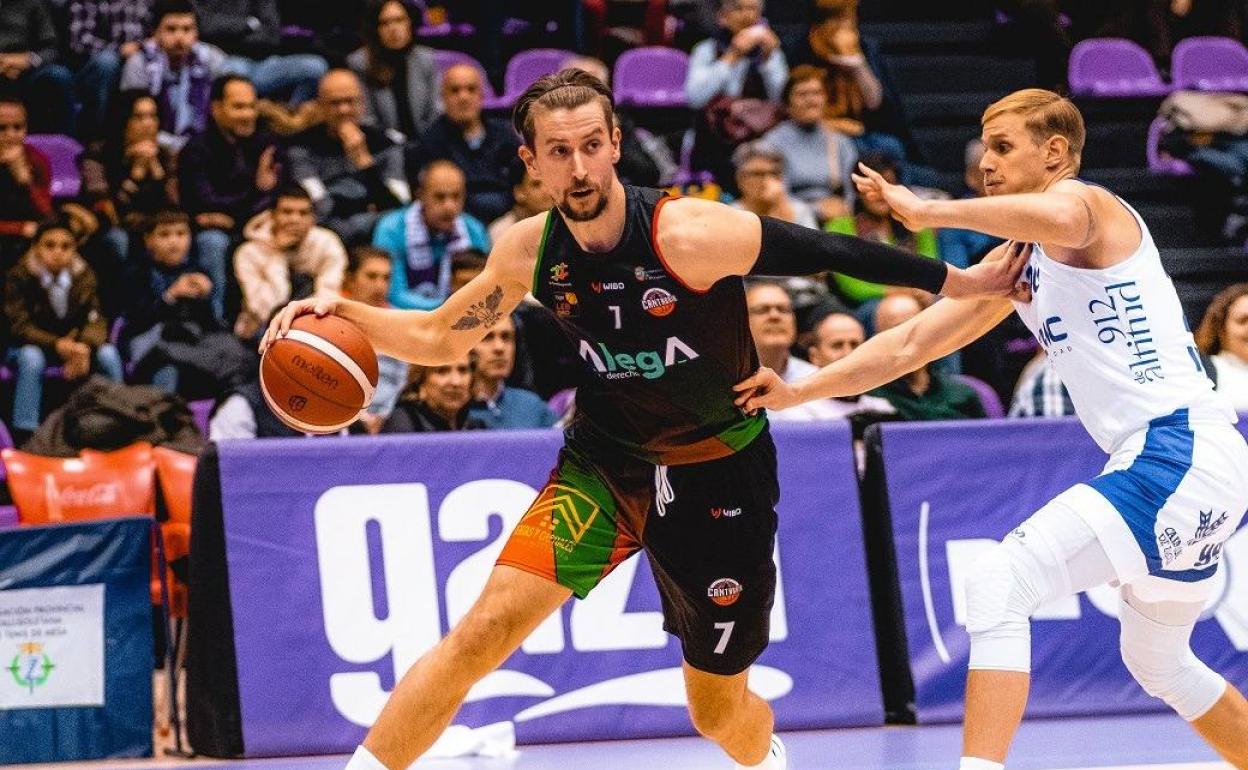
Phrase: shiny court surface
[1156,742]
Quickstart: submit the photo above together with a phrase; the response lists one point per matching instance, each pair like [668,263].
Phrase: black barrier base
[886,607]
[213,718]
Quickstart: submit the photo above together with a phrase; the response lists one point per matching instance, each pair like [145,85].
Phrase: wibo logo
[648,363]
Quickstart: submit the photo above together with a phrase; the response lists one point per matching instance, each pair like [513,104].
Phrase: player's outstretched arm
[704,242]
[1068,214]
[447,333]
[936,332]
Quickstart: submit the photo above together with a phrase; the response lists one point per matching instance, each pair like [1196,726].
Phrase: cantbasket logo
[648,363]
[31,666]
[658,302]
[724,592]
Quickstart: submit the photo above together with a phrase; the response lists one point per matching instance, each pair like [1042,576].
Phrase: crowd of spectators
[227,172]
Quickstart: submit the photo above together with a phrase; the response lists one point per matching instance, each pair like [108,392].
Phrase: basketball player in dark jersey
[650,290]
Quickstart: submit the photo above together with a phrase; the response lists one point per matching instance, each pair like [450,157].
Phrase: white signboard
[52,647]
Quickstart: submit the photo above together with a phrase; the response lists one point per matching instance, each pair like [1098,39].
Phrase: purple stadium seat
[447,59]
[62,152]
[987,396]
[527,66]
[562,401]
[651,77]
[201,411]
[1158,161]
[1210,64]
[1113,67]
[8,516]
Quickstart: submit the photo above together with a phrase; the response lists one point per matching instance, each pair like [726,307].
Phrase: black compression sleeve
[792,250]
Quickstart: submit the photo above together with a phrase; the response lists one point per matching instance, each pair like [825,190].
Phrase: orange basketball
[319,376]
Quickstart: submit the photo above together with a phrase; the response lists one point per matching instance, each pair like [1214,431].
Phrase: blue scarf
[428,262]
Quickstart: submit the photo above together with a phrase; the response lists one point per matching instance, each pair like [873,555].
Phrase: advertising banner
[76,641]
[956,488]
[349,558]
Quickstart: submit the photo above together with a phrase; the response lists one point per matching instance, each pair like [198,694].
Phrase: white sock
[363,759]
[975,763]
[775,759]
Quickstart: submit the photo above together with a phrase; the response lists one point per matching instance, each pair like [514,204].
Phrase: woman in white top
[1223,335]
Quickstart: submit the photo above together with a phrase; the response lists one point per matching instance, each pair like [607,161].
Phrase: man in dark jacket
[481,147]
[53,311]
[226,175]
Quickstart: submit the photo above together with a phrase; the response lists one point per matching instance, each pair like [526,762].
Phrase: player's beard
[584,215]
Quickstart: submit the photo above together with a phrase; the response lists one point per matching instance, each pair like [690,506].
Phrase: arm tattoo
[484,313]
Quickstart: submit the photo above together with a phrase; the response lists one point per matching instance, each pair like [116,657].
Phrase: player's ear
[530,161]
[1056,151]
[616,138]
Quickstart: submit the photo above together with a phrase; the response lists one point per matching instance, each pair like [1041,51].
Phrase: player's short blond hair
[1046,114]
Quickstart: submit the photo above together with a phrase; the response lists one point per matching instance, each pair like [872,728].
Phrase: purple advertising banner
[956,488]
[348,558]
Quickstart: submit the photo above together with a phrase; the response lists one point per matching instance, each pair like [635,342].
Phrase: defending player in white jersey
[1175,487]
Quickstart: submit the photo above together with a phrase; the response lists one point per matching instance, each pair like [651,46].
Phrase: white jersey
[1119,342]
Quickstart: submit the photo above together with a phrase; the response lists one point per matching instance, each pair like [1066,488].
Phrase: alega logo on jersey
[650,364]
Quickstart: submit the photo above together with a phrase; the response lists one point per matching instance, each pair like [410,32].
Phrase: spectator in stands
[176,68]
[226,175]
[102,35]
[1223,335]
[29,69]
[761,180]
[834,337]
[53,313]
[164,291]
[423,238]
[859,103]
[128,175]
[400,77]
[367,280]
[645,159]
[528,196]
[480,146]
[25,184]
[818,160]
[742,64]
[352,171]
[1039,392]
[773,325]
[250,32]
[436,399]
[959,247]
[495,403]
[927,393]
[872,220]
[285,257]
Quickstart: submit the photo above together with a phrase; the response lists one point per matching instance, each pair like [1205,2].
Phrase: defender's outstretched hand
[281,322]
[907,208]
[765,390]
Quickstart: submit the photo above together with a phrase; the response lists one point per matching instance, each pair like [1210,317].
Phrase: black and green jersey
[660,357]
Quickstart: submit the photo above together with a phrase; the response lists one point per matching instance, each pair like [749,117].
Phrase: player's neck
[603,232]
[1059,175]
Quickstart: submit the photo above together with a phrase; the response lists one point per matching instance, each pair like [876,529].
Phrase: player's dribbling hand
[281,322]
[764,389]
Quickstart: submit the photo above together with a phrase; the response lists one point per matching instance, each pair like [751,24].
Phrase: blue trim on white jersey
[1140,491]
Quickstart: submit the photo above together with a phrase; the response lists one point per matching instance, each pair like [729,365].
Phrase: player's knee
[1001,595]
[1160,658]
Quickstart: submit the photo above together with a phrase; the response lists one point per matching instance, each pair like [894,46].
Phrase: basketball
[319,376]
